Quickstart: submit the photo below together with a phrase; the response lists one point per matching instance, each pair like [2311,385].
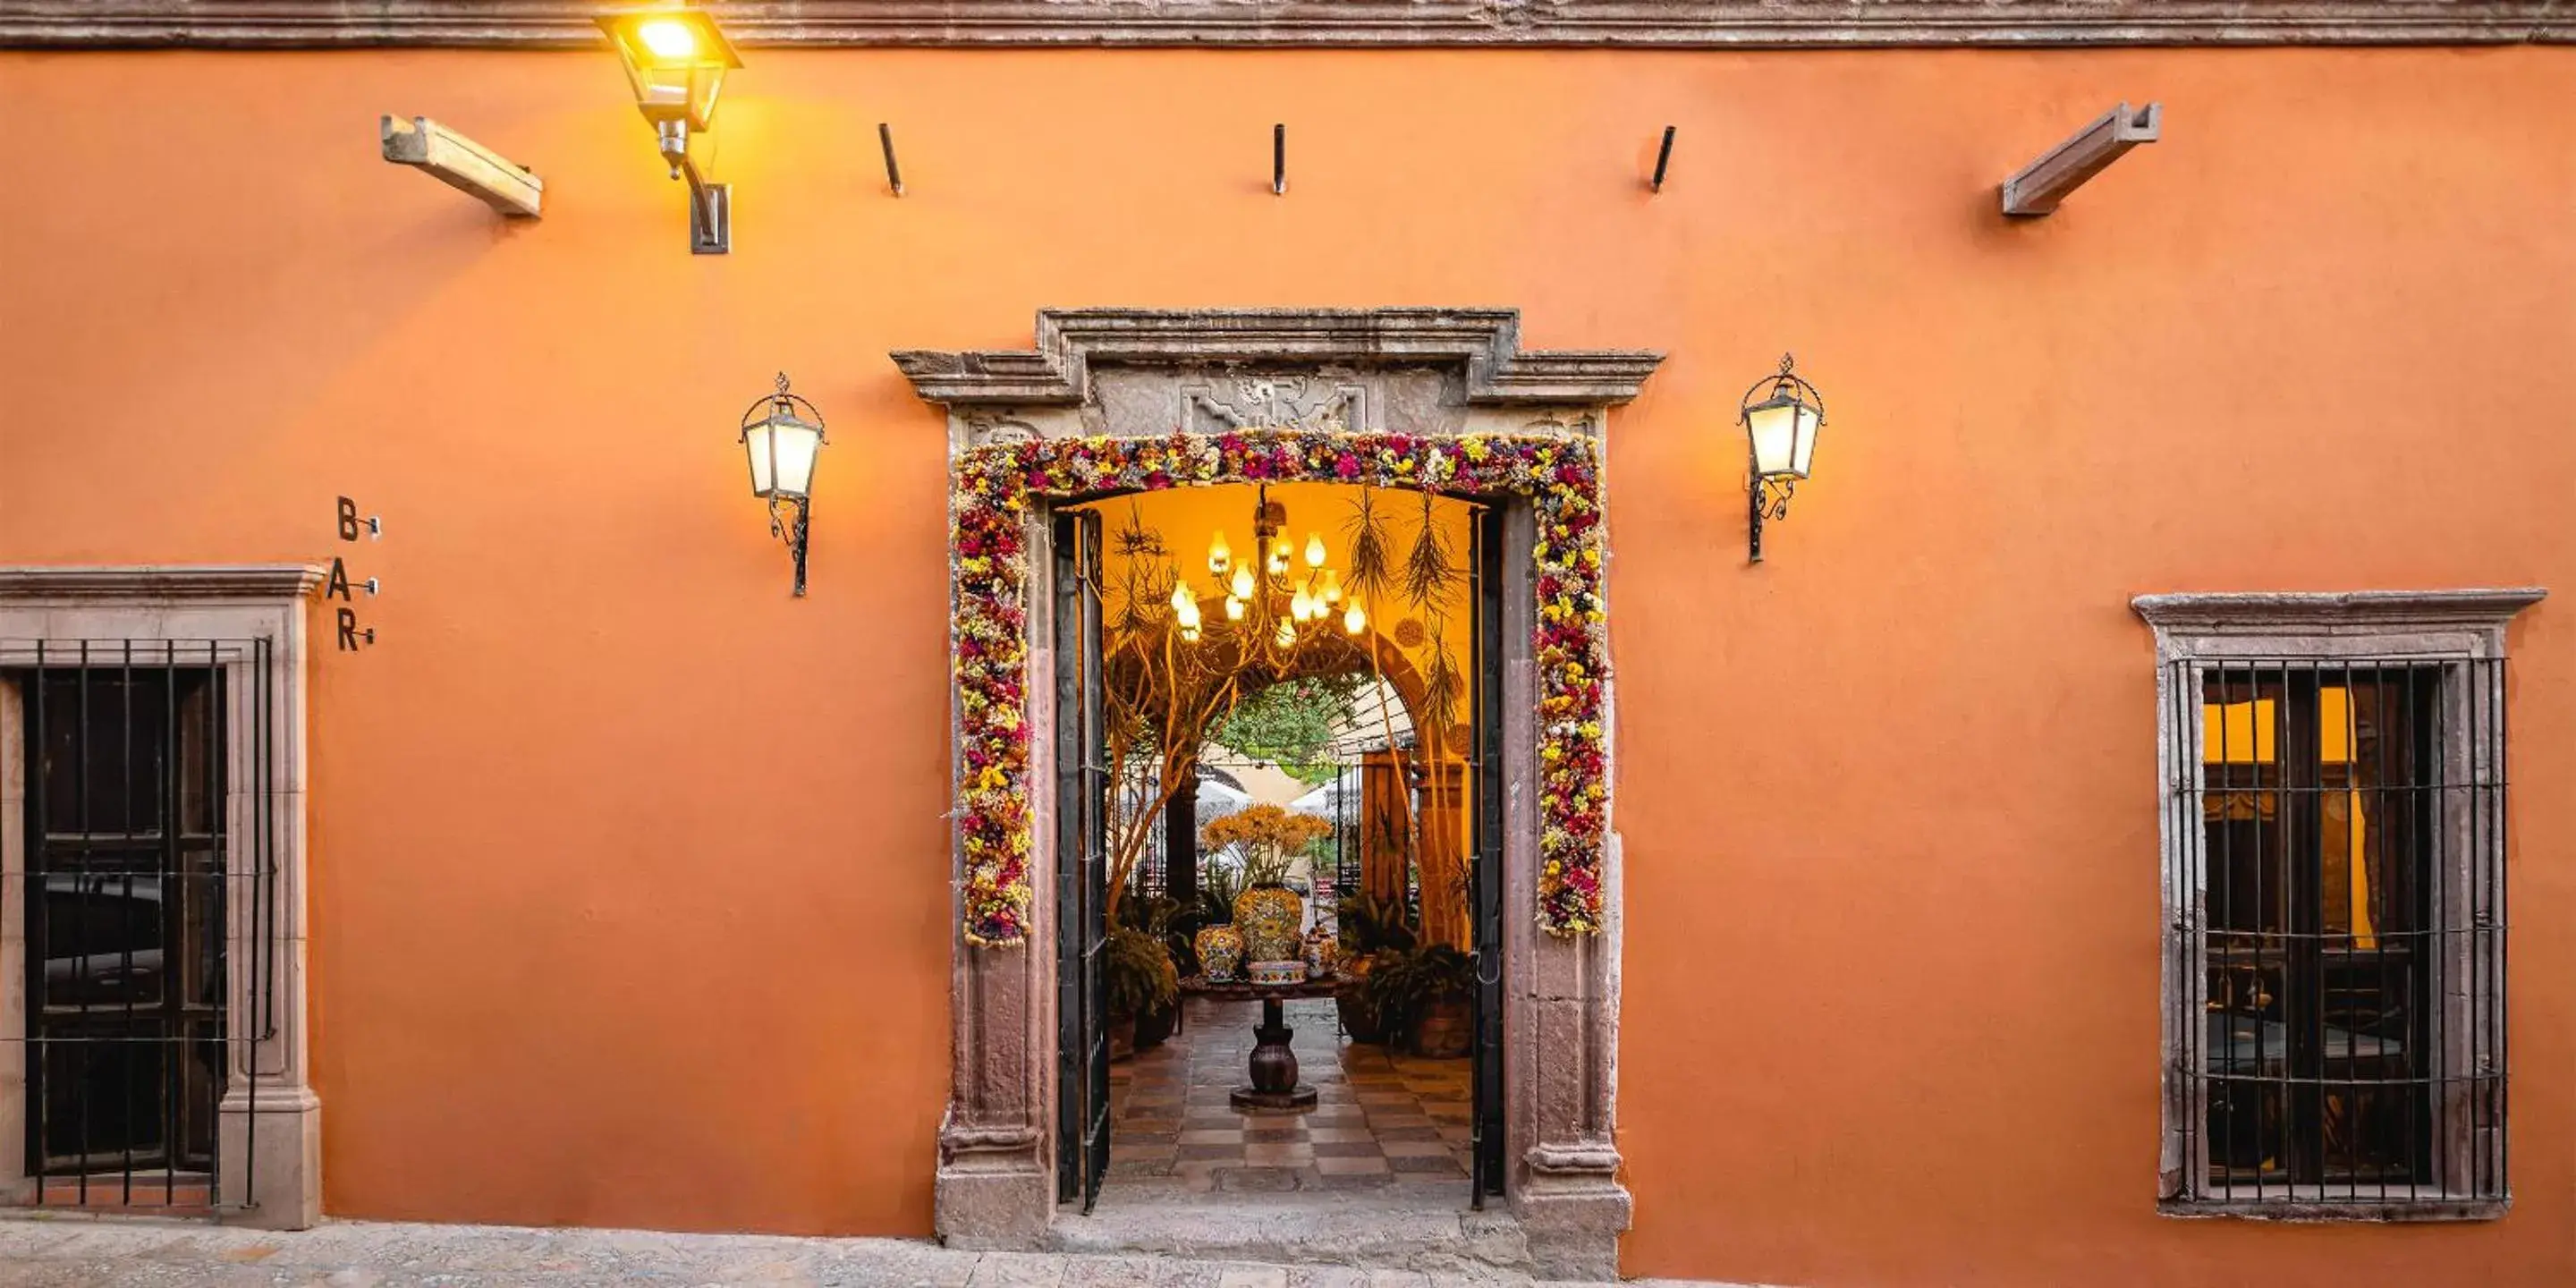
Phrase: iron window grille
[2336,980]
[140,880]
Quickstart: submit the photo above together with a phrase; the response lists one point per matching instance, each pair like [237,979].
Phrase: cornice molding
[2263,612]
[1484,342]
[161,583]
[1362,23]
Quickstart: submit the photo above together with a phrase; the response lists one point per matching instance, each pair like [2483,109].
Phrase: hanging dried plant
[1442,689]
[1429,576]
[1372,560]
[1142,596]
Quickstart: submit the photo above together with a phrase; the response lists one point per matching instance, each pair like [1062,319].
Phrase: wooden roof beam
[2039,186]
[463,164]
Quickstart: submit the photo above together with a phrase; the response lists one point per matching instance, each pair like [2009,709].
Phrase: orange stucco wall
[629,894]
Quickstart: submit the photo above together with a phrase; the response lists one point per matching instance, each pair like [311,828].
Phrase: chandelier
[1278,597]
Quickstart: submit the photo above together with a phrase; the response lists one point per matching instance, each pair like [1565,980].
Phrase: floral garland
[994,487]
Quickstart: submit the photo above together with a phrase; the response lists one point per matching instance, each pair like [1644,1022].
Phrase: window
[2335,904]
[124,925]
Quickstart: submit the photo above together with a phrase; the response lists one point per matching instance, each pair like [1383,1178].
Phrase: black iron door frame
[1082,1001]
[1485,879]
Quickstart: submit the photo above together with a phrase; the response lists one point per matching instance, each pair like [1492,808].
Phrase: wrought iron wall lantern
[676,59]
[782,434]
[1780,432]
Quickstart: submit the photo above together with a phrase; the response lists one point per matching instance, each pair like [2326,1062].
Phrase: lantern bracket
[710,204]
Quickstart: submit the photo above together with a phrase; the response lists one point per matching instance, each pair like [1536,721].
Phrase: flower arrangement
[1270,837]
[994,487]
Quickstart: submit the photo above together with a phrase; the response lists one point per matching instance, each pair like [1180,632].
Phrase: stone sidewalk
[63,1251]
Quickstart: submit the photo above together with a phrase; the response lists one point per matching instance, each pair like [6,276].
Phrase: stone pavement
[38,1251]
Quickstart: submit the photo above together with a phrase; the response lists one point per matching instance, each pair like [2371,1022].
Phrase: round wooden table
[1274,1082]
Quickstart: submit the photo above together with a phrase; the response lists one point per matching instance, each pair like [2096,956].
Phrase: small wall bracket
[462,164]
[2039,186]
[710,217]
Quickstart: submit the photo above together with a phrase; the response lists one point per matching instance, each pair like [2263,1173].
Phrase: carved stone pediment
[1144,372]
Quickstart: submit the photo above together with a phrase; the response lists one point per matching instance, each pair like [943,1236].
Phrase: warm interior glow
[1332,586]
[1314,550]
[1220,555]
[2237,733]
[668,38]
[1233,608]
[1181,602]
[1242,581]
[1286,635]
[1354,618]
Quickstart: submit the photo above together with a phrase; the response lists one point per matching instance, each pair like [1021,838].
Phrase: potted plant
[1270,915]
[1137,971]
[1426,998]
[1152,917]
[1216,946]
[1370,925]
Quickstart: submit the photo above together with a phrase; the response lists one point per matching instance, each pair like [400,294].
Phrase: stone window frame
[2200,633]
[277,1138]
[1438,372]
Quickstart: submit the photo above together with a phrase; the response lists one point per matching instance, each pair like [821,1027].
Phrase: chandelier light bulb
[1243,581]
[1181,601]
[1286,637]
[1187,613]
[1332,586]
[1233,608]
[1302,606]
[1190,633]
[1220,555]
[1354,619]
[1314,550]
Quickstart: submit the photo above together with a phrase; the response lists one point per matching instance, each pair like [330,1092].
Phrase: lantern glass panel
[755,444]
[1803,455]
[792,444]
[676,60]
[1773,427]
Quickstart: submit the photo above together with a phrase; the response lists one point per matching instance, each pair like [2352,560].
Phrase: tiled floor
[1380,1120]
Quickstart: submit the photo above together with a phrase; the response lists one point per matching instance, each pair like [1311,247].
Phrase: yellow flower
[1476,450]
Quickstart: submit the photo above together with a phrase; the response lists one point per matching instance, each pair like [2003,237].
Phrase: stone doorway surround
[269,1120]
[1434,372]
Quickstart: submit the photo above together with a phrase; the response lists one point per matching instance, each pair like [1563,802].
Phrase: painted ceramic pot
[1321,955]
[1220,952]
[1290,971]
[1273,921]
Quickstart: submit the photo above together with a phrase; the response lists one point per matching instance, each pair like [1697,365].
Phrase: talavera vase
[1272,919]
[1220,953]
